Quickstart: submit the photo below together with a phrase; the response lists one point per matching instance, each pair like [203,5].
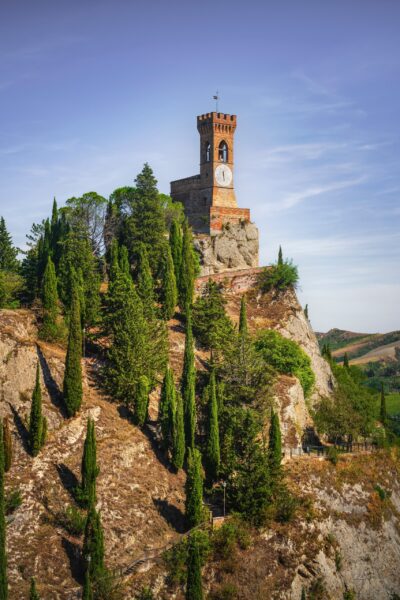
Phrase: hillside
[361,347]
[142,500]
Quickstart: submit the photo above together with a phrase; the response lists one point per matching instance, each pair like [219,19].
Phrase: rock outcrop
[234,248]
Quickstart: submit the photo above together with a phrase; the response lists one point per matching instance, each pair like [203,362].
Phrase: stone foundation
[233,248]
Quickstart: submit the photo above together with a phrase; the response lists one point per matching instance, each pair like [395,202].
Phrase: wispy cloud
[296,197]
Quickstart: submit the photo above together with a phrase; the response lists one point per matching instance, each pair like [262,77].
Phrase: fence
[344,447]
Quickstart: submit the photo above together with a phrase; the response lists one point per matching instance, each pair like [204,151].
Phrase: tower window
[208,152]
[223,152]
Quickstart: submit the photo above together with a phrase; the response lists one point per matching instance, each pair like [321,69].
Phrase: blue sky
[90,90]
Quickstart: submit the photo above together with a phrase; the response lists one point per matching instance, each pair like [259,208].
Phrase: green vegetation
[212,456]
[72,385]
[37,422]
[274,448]
[89,467]
[93,546]
[166,408]
[194,588]
[187,270]
[194,489]
[10,280]
[3,553]
[188,385]
[280,276]
[178,434]
[211,325]
[169,290]
[142,400]
[33,593]
[287,357]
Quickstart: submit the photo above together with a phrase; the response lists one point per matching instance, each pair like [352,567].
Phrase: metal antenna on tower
[216,98]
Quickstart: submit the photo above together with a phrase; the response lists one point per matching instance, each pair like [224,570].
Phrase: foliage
[72,385]
[232,535]
[211,325]
[187,270]
[168,290]
[383,411]
[351,410]
[33,593]
[93,545]
[287,357]
[87,593]
[332,455]
[89,467]
[13,501]
[36,419]
[142,400]
[178,436]
[188,383]
[8,445]
[212,451]
[285,504]
[145,594]
[175,244]
[243,330]
[175,559]
[3,554]
[279,277]
[72,520]
[50,330]
[167,402]
[194,489]
[226,591]
[10,289]
[87,214]
[8,254]
[194,588]
[274,448]
[145,284]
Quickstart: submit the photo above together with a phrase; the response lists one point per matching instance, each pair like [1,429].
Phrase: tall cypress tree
[142,400]
[87,593]
[3,554]
[243,316]
[188,385]
[8,254]
[8,446]
[383,411]
[280,256]
[212,452]
[168,293]
[89,467]
[50,300]
[145,283]
[178,437]
[36,420]
[274,447]
[72,387]
[175,243]
[194,489]
[167,403]
[93,545]
[33,593]
[346,360]
[187,272]
[194,588]
[303,594]
[124,261]
[114,261]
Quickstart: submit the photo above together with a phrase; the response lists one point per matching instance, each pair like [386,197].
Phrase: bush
[383,494]
[227,591]
[229,537]
[279,277]
[286,357]
[349,595]
[175,559]
[145,594]
[12,502]
[332,455]
[286,505]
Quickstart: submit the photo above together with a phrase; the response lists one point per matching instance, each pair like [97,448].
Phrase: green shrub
[227,591]
[229,537]
[145,594]
[13,501]
[286,505]
[349,595]
[286,357]
[332,455]
[73,520]
[175,558]
[279,277]
[338,561]
[382,493]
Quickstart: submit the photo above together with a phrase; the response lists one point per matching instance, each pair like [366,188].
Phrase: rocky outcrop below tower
[234,248]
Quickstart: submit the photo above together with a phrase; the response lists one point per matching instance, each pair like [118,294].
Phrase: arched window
[223,152]
[208,151]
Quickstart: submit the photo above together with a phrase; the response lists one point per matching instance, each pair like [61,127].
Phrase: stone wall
[234,248]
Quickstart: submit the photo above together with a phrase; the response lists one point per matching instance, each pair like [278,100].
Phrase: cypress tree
[167,402]
[212,453]
[8,447]
[33,593]
[3,555]
[280,256]
[303,594]
[178,438]
[93,545]
[142,400]
[114,262]
[187,272]
[188,385]
[383,412]
[36,418]
[346,361]
[274,447]
[8,254]
[87,593]
[72,387]
[145,284]
[194,588]
[50,300]
[89,467]
[306,311]
[194,489]
[124,260]
[243,316]
[169,293]
[175,243]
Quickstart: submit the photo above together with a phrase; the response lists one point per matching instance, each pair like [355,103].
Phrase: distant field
[361,347]
[393,404]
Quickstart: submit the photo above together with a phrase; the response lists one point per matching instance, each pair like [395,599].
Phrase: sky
[90,90]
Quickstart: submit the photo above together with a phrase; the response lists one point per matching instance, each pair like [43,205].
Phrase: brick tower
[209,198]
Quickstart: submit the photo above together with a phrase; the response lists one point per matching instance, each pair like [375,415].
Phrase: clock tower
[209,198]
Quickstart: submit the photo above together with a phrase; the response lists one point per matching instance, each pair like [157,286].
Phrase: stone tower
[225,238]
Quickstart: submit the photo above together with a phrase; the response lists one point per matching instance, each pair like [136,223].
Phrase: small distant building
[226,239]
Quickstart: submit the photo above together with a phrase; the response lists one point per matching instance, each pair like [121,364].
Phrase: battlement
[216,120]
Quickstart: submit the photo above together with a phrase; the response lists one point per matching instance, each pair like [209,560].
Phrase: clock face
[223,175]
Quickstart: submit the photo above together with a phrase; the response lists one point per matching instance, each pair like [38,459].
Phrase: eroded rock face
[235,248]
